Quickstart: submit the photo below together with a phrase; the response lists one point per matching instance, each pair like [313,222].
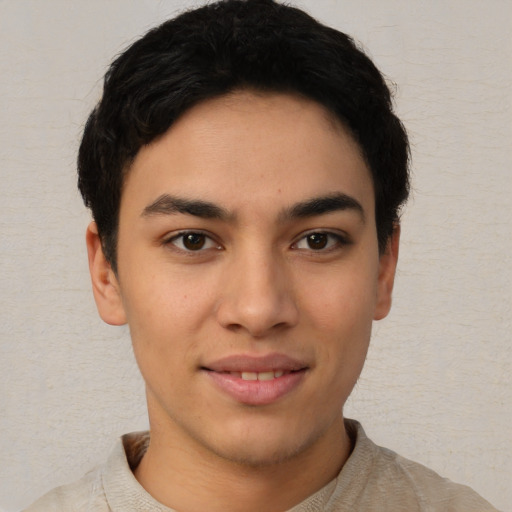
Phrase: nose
[257,295]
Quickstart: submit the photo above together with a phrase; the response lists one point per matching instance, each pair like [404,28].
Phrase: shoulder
[83,495]
[432,491]
[109,486]
[407,485]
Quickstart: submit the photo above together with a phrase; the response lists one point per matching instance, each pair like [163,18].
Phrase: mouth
[253,380]
[248,375]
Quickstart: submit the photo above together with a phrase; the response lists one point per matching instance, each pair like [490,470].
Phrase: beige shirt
[373,479]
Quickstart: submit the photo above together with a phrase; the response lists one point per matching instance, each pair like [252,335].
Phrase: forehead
[250,148]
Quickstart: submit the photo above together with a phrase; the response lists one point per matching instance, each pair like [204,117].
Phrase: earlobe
[387,268]
[105,285]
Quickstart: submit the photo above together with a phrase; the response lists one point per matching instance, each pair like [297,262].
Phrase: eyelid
[172,237]
[341,239]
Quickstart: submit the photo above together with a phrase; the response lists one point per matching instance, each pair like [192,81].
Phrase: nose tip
[257,322]
[259,301]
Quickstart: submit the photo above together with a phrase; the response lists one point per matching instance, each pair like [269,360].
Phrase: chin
[259,455]
[261,447]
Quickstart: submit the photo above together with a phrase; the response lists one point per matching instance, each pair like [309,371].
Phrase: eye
[320,241]
[193,241]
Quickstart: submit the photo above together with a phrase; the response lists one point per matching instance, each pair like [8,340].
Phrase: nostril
[256,306]
[234,327]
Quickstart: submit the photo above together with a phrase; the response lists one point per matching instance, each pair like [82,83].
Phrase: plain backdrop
[437,383]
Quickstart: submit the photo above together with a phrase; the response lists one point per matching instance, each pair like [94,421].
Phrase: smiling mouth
[261,376]
[256,381]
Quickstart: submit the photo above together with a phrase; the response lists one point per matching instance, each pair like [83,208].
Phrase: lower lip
[256,392]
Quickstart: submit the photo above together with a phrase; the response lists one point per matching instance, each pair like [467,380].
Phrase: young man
[245,172]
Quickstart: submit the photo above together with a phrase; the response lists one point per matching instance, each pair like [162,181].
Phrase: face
[249,274]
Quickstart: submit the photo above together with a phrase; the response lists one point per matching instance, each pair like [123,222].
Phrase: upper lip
[255,363]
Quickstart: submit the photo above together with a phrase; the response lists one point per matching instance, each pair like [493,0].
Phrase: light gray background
[437,384]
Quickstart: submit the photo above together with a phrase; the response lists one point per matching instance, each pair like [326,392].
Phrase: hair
[217,49]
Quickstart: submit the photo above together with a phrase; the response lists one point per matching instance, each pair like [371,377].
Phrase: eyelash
[331,241]
[334,241]
[207,239]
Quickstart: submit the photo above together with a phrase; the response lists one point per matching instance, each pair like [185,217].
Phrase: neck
[188,477]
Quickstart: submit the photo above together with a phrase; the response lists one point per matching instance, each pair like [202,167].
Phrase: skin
[254,284]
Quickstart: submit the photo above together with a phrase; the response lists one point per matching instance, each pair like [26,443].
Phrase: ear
[105,285]
[387,268]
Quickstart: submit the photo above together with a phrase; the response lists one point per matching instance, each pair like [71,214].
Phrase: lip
[252,363]
[225,375]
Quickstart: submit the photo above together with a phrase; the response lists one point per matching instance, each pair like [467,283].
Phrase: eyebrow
[322,205]
[168,205]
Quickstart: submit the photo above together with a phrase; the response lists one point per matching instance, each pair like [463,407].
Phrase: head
[245,172]
[234,45]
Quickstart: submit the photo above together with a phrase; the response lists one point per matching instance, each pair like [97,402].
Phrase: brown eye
[194,241]
[321,241]
[317,241]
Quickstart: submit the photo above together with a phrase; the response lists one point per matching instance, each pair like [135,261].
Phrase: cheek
[164,298]
[162,313]
[344,300]
[169,311]
[341,316]
[159,321]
